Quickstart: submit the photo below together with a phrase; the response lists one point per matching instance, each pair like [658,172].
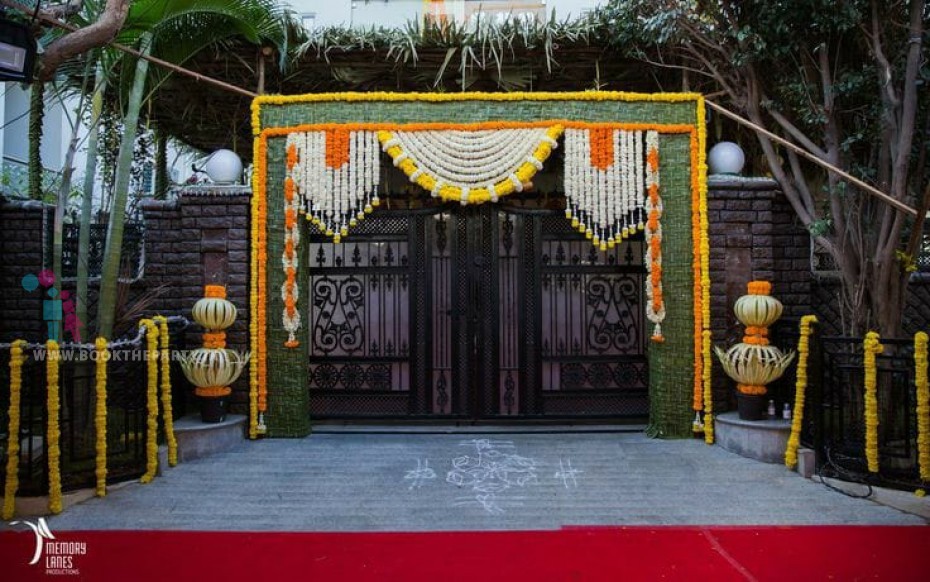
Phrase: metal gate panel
[475,313]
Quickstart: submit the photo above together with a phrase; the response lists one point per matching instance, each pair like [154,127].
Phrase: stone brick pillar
[754,235]
[201,238]
[23,232]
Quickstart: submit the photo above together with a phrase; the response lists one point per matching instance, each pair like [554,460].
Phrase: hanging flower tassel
[12,445]
[53,431]
[289,289]
[151,400]
[655,303]
[923,405]
[794,439]
[100,414]
[871,348]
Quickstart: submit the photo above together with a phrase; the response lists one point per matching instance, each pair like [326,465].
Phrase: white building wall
[395,13]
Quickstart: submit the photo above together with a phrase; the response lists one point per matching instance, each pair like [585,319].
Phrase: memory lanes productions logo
[59,558]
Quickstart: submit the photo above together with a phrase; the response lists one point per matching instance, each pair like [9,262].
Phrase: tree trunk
[36,116]
[109,278]
[87,201]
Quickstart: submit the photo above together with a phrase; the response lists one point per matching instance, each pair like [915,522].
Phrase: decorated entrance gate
[475,312]
[481,301]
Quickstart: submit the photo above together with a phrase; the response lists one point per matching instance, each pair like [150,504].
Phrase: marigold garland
[100,414]
[12,451]
[258,327]
[166,409]
[53,430]
[871,348]
[151,400]
[655,305]
[258,387]
[697,402]
[394,143]
[464,96]
[794,439]
[923,404]
[706,335]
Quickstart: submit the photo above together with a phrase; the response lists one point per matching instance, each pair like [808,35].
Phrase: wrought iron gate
[475,313]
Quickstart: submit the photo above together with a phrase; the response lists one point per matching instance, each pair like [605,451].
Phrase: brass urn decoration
[212,368]
[753,363]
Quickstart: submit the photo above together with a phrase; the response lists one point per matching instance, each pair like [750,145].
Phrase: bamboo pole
[809,156]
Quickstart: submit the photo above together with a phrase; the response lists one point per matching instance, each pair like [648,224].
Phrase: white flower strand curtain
[611,184]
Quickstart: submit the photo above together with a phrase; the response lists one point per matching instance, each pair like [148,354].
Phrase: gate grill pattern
[475,313]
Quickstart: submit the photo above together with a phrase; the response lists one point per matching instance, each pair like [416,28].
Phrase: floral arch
[632,162]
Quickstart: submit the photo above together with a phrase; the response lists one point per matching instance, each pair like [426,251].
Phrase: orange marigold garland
[289,289]
[697,402]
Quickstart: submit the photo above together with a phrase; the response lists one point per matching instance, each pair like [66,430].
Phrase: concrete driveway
[471,481]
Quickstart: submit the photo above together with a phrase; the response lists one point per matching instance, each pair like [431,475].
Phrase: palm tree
[173,30]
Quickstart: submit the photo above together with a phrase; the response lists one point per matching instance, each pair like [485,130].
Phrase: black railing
[126,413]
[835,412]
[133,258]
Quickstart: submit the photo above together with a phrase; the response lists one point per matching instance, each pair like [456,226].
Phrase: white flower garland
[470,166]
[606,192]
[606,204]
[335,199]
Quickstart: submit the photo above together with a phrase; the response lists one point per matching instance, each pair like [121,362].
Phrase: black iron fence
[834,412]
[126,412]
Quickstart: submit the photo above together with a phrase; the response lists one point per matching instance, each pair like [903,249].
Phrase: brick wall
[22,225]
[200,238]
[753,236]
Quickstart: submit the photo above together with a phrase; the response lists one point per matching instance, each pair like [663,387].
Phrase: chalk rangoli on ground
[492,473]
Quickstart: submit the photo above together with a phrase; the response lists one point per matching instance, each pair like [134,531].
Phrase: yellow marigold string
[12,445]
[464,96]
[151,400]
[705,270]
[100,414]
[257,367]
[166,409]
[794,439]
[923,405]
[258,189]
[871,348]
[53,432]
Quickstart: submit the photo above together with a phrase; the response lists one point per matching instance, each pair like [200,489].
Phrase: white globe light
[726,158]
[224,167]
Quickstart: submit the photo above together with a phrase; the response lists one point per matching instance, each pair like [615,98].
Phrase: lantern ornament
[753,363]
[212,368]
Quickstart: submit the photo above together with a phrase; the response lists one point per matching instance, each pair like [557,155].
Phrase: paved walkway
[493,481]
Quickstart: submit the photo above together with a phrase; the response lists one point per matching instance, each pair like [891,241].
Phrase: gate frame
[679,379]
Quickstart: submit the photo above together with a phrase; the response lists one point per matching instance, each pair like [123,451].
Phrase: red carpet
[787,554]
